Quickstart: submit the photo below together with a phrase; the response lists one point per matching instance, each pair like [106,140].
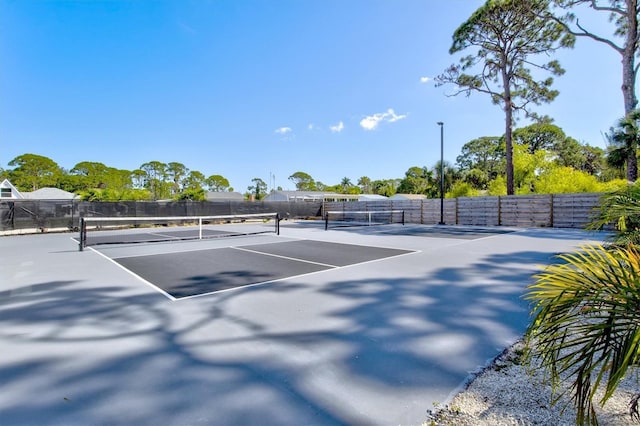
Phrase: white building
[295,196]
[8,191]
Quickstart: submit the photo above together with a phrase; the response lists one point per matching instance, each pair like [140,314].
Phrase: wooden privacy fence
[547,210]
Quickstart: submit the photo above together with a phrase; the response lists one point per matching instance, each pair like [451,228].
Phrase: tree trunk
[508,127]
[629,78]
[509,145]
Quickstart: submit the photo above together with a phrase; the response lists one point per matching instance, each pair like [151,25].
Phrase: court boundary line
[149,283]
[284,257]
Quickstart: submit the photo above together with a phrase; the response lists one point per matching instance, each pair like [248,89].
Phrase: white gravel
[509,393]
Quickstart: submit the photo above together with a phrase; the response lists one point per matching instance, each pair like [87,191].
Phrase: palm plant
[587,324]
[345,184]
[620,209]
[586,310]
[624,142]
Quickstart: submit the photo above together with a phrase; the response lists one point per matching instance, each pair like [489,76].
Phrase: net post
[83,234]
[200,227]
[402,217]
[277,223]
[326,220]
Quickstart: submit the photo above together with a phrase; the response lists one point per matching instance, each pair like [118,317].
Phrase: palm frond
[619,210]
[586,323]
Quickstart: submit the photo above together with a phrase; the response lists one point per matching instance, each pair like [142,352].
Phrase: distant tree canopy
[417,180]
[566,151]
[482,160]
[217,183]
[31,172]
[365,185]
[97,182]
[258,190]
[545,160]
[303,181]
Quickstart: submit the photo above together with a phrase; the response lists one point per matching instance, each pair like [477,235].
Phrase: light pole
[441,124]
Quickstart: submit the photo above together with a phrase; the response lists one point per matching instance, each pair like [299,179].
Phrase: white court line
[284,257]
[170,297]
[171,237]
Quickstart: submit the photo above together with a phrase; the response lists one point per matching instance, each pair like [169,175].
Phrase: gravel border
[507,393]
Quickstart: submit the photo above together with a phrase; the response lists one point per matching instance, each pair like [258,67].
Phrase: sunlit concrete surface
[83,341]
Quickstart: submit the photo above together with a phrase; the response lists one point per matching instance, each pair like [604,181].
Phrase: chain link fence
[64,215]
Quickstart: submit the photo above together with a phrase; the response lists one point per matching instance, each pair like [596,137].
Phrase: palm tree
[624,141]
[345,184]
[365,184]
[620,210]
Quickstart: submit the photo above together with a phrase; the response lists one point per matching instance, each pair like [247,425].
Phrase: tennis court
[178,272]
[359,325]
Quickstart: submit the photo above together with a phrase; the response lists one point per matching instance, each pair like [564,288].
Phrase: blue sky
[260,88]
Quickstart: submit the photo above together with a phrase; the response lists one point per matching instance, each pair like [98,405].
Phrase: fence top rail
[142,218]
[363,211]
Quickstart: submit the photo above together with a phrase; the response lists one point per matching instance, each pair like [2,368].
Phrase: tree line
[545,160]
[94,181]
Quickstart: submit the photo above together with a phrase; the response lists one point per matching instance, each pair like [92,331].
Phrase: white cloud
[425,79]
[311,126]
[283,130]
[337,128]
[371,122]
[392,117]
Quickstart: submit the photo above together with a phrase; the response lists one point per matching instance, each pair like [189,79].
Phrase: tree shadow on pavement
[289,352]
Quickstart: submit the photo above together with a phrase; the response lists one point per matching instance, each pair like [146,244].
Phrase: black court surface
[444,231]
[193,273]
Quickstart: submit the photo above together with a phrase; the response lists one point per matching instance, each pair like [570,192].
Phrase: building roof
[224,196]
[40,194]
[311,196]
[322,196]
[408,197]
[299,194]
[49,194]
[371,197]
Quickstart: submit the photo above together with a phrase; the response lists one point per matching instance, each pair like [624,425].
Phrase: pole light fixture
[441,124]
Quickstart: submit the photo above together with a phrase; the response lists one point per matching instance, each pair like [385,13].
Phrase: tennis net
[336,219]
[130,230]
